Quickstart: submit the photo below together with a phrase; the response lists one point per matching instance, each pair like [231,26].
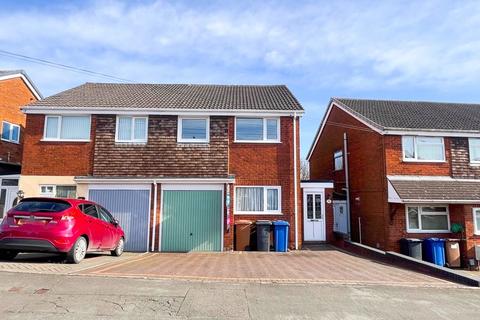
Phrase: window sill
[259,213]
[130,143]
[257,141]
[64,140]
[424,161]
[474,164]
[428,231]
[193,142]
[10,141]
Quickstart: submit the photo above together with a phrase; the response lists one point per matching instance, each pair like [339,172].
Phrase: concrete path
[36,296]
[326,266]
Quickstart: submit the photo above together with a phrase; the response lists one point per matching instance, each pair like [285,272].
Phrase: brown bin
[452,250]
[243,234]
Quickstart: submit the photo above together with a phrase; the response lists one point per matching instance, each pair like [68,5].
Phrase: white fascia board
[88,180]
[159,111]
[432,133]
[429,178]
[427,201]
[341,106]
[29,84]
[316,185]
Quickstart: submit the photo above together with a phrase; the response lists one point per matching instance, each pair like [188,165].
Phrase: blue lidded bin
[280,235]
[434,251]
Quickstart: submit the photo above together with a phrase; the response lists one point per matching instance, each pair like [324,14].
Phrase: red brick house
[405,169]
[16,90]
[176,164]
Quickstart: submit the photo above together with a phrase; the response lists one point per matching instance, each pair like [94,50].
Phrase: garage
[131,207]
[192,218]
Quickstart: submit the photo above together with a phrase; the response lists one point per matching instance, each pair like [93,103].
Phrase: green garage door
[192,220]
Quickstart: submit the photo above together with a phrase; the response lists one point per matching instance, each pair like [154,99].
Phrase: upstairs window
[423,149]
[474,150]
[257,129]
[10,132]
[338,160]
[193,129]
[69,128]
[131,129]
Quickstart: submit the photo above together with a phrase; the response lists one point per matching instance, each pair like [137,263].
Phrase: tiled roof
[413,115]
[438,190]
[175,96]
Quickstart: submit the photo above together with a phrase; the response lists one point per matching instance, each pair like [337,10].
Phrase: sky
[408,50]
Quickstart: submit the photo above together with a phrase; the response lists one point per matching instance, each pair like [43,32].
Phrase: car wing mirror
[115,222]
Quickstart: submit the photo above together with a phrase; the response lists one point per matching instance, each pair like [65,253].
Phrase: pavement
[46,296]
[325,266]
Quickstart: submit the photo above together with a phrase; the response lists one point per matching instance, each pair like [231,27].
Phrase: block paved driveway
[326,266]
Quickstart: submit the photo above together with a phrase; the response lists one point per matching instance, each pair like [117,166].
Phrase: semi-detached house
[405,169]
[176,164]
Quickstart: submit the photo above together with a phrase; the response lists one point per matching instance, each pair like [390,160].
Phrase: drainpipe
[347,184]
[154,213]
[295,177]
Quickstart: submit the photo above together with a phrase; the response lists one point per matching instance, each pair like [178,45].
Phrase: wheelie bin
[434,251]
[243,231]
[280,235]
[452,250]
[263,235]
[411,247]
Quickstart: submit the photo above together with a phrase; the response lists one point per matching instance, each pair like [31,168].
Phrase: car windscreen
[38,205]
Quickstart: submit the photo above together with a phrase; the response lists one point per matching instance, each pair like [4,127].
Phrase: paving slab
[56,264]
[326,266]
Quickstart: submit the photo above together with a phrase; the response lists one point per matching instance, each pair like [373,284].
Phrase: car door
[109,238]
[95,229]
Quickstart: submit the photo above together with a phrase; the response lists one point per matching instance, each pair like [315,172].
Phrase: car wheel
[119,249]
[8,254]
[78,251]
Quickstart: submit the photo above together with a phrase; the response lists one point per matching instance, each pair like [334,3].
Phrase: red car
[68,226]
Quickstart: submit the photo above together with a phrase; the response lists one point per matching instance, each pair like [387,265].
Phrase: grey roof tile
[413,115]
[175,96]
[441,190]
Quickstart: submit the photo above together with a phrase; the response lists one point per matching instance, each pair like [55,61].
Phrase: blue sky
[418,50]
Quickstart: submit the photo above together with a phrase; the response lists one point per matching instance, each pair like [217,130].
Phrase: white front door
[313,216]
[7,197]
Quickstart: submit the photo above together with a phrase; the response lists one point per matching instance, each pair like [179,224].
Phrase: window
[258,200]
[430,149]
[40,205]
[10,132]
[257,129]
[89,209]
[338,160]
[69,128]
[427,219]
[131,129]
[105,215]
[55,191]
[9,182]
[474,150]
[476,221]
[193,129]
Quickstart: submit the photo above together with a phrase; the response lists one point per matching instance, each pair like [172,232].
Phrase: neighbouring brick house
[413,168]
[16,90]
[176,164]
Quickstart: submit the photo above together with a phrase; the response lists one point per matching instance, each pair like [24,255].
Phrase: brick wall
[162,156]
[471,238]
[268,164]
[461,167]
[14,94]
[48,158]
[367,173]
[396,165]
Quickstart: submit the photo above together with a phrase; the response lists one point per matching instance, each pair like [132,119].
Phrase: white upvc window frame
[180,128]
[59,129]
[476,227]
[264,140]
[132,133]
[12,125]
[477,141]
[420,213]
[335,157]
[415,144]
[265,201]
[48,194]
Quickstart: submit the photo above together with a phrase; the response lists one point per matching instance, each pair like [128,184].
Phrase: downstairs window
[427,219]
